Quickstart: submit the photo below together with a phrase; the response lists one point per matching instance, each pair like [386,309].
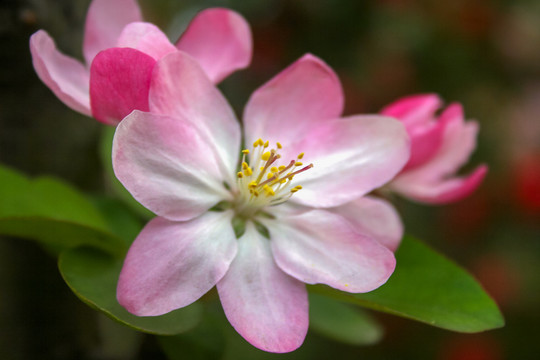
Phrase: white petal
[322,247]
[266,306]
[167,165]
[172,264]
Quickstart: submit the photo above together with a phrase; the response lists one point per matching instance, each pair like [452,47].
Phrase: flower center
[262,181]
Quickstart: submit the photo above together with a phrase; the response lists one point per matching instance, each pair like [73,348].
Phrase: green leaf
[121,220]
[111,181]
[92,275]
[342,322]
[52,212]
[429,288]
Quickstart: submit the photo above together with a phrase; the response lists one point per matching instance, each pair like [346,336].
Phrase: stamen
[259,175]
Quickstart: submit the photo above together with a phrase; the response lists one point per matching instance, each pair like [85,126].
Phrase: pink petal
[167,165]
[440,191]
[302,97]
[426,140]
[104,23]
[119,83]
[65,76]
[351,157]
[146,38]
[172,264]
[459,142]
[322,247]
[220,40]
[266,306]
[415,109]
[180,88]
[375,218]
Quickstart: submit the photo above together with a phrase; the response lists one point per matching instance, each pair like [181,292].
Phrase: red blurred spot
[526,182]
[499,277]
[476,18]
[463,220]
[471,347]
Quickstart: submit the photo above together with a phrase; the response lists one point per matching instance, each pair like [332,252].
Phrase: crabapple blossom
[440,145]
[118,24]
[298,186]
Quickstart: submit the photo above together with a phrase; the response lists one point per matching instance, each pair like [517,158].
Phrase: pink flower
[181,160]
[116,23]
[440,145]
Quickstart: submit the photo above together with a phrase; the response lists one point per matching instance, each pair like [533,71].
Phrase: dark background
[482,53]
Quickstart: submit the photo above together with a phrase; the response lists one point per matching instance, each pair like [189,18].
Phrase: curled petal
[459,142]
[434,181]
[426,140]
[322,247]
[439,191]
[104,23]
[351,157]
[220,40]
[375,218]
[303,96]
[146,38]
[172,264]
[414,110]
[266,306]
[66,77]
[166,165]
[180,88]
[119,83]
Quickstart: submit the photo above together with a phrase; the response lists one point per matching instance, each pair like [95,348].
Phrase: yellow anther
[299,187]
[274,169]
[283,181]
[293,190]
[346,285]
[266,156]
[266,144]
[255,192]
[298,163]
[279,145]
[248,171]
[245,165]
[281,167]
[245,151]
[300,156]
[269,191]
[261,168]
[239,175]
[256,143]
[252,184]
[270,175]
[260,142]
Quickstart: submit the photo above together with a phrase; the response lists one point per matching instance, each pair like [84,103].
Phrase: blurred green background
[482,53]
